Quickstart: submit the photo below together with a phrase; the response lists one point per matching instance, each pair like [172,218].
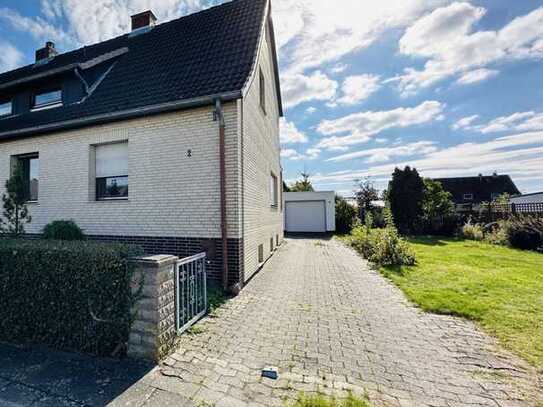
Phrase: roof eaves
[121,115]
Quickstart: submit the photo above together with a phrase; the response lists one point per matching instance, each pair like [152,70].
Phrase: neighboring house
[313,212]
[475,190]
[536,197]
[167,137]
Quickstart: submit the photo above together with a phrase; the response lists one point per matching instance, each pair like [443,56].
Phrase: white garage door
[305,216]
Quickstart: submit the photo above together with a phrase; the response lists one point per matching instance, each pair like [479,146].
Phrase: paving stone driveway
[331,324]
[328,322]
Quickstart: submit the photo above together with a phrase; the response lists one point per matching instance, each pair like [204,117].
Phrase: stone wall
[153,331]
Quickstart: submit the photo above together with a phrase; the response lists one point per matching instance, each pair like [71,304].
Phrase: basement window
[112,171]
[6,108]
[47,99]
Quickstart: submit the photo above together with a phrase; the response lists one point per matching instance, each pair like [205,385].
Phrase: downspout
[222,163]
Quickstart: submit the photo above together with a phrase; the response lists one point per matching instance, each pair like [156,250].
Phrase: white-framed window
[468,197]
[273,190]
[112,171]
[30,165]
[47,99]
[262,86]
[6,108]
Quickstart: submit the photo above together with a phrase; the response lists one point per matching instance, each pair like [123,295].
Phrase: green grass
[499,287]
[323,401]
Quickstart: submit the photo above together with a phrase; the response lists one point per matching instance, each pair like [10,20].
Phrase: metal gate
[190,291]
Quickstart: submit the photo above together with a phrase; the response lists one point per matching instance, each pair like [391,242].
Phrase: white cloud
[358,88]
[38,27]
[520,155]
[465,122]
[361,126]
[375,155]
[93,21]
[299,88]
[290,133]
[339,68]
[446,38]
[293,155]
[10,57]
[520,121]
[311,110]
[477,75]
[314,32]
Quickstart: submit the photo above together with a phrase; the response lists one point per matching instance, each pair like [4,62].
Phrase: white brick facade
[172,193]
[261,157]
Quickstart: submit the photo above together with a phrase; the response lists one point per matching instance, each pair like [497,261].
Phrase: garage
[309,212]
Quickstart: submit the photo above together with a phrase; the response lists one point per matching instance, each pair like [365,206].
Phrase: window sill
[46,107]
[32,202]
[111,200]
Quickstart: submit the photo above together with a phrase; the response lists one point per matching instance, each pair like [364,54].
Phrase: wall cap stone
[156,261]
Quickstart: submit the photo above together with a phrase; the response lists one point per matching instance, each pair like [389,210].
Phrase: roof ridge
[127,35]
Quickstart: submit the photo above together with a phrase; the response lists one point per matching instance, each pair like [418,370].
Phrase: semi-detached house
[167,137]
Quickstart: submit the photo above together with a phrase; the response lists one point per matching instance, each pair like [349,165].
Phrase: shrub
[345,215]
[472,231]
[63,230]
[383,247]
[497,234]
[68,295]
[525,232]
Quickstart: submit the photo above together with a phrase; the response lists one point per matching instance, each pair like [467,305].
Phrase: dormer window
[6,108]
[47,99]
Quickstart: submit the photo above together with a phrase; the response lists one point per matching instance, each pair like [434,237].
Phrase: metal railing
[190,291]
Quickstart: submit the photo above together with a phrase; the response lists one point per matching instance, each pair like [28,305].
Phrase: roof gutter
[122,115]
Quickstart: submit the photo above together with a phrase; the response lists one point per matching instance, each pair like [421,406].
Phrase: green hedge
[68,295]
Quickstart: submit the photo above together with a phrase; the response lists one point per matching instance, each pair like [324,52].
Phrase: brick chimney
[46,52]
[147,19]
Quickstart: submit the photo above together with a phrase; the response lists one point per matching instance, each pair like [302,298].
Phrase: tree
[405,196]
[15,210]
[437,202]
[365,193]
[285,187]
[345,215]
[303,185]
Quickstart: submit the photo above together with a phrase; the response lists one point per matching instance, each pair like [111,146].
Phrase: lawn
[499,287]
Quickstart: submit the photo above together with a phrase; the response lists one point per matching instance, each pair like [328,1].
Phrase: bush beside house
[63,230]
[68,295]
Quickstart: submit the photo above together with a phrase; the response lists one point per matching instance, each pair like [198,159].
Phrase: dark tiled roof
[482,187]
[207,53]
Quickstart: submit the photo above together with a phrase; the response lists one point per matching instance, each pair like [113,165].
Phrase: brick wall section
[188,246]
[261,157]
[153,332]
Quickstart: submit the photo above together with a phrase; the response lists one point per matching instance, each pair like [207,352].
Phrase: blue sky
[453,88]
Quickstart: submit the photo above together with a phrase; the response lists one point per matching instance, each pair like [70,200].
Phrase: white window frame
[10,103]
[110,174]
[468,197]
[274,195]
[49,105]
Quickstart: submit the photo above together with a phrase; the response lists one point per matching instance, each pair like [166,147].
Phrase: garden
[488,272]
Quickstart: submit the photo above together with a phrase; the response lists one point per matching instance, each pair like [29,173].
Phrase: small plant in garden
[15,211]
[473,231]
[383,247]
[320,400]
[63,230]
